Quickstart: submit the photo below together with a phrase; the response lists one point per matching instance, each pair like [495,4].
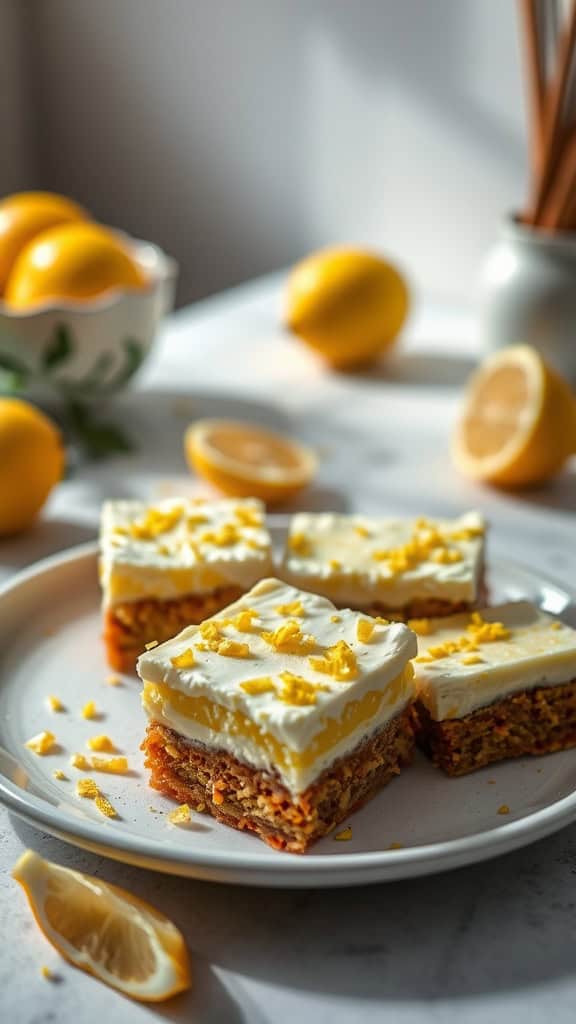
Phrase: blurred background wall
[239,134]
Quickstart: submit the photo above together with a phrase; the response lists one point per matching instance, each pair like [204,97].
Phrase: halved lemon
[244,460]
[518,424]
[105,931]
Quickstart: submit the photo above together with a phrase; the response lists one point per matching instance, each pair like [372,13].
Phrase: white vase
[529,294]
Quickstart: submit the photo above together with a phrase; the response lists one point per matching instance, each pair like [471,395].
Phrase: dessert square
[166,565]
[400,568]
[495,684]
[279,716]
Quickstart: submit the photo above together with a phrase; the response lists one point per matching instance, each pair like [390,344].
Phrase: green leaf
[59,349]
[133,359]
[11,365]
[13,375]
[96,439]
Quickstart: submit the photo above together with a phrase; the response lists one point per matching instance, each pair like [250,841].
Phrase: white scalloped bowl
[87,350]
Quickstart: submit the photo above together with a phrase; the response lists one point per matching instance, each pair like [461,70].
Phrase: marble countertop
[492,942]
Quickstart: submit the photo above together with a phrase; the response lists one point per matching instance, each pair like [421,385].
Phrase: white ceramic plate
[50,644]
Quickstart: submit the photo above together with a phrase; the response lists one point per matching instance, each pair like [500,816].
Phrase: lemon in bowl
[24,215]
[349,305]
[81,308]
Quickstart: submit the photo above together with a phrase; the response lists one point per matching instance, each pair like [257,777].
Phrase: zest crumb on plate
[396,846]
[101,744]
[89,710]
[54,703]
[79,761]
[59,774]
[87,788]
[344,835]
[504,809]
[112,765]
[43,743]
[180,816]
[105,807]
[113,680]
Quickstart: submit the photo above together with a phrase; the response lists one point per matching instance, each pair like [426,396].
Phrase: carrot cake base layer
[214,782]
[129,626]
[537,721]
[429,607]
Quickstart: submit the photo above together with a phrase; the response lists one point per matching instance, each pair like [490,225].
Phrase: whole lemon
[23,216]
[347,304]
[72,261]
[31,463]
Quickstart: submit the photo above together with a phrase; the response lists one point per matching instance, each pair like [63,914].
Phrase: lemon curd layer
[357,560]
[180,547]
[281,681]
[466,662]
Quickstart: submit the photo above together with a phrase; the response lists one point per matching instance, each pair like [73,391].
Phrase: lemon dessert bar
[281,715]
[495,684]
[167,565]
[402,568]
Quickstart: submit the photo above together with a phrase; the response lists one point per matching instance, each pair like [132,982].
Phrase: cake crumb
[89,709]
[47,973]
[101,744]
[87,788]
[112,765]
[503,809]
[55,704]
[344,835]
[43,743]
[180,816]
[396,846]
[105,807]
[59,774]
[113,680]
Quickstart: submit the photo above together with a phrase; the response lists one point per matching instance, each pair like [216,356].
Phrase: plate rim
[353,868]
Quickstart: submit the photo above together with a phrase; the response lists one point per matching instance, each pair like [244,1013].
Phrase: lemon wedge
[244,460]
[518,425]
[105,931]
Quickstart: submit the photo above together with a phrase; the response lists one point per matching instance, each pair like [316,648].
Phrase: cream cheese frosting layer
[293,701]
[180,546]
[535,650]
[356,560]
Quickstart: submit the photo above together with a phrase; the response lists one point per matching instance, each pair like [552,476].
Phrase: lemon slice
[518,424]
[105,931]
[244,460]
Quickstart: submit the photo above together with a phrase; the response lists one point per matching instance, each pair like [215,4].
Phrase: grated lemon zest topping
[262,684]
[334,564]
[289,639]
[101,744]
[298,691]
[151,645]
[335,618]
[243,620]
[556,625]
[504,809]
[112,765]
[364,630]
[180,816]
[422,627]
[338,661]
[465,533]
[89,709]
[233,649]
[446,556]
[227,535]
[292,608]
[248,516]
[55,704]
[362,531]
[486,632]
[299,544]
[43,743]
[155,523]
[184,660]
[472,659]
